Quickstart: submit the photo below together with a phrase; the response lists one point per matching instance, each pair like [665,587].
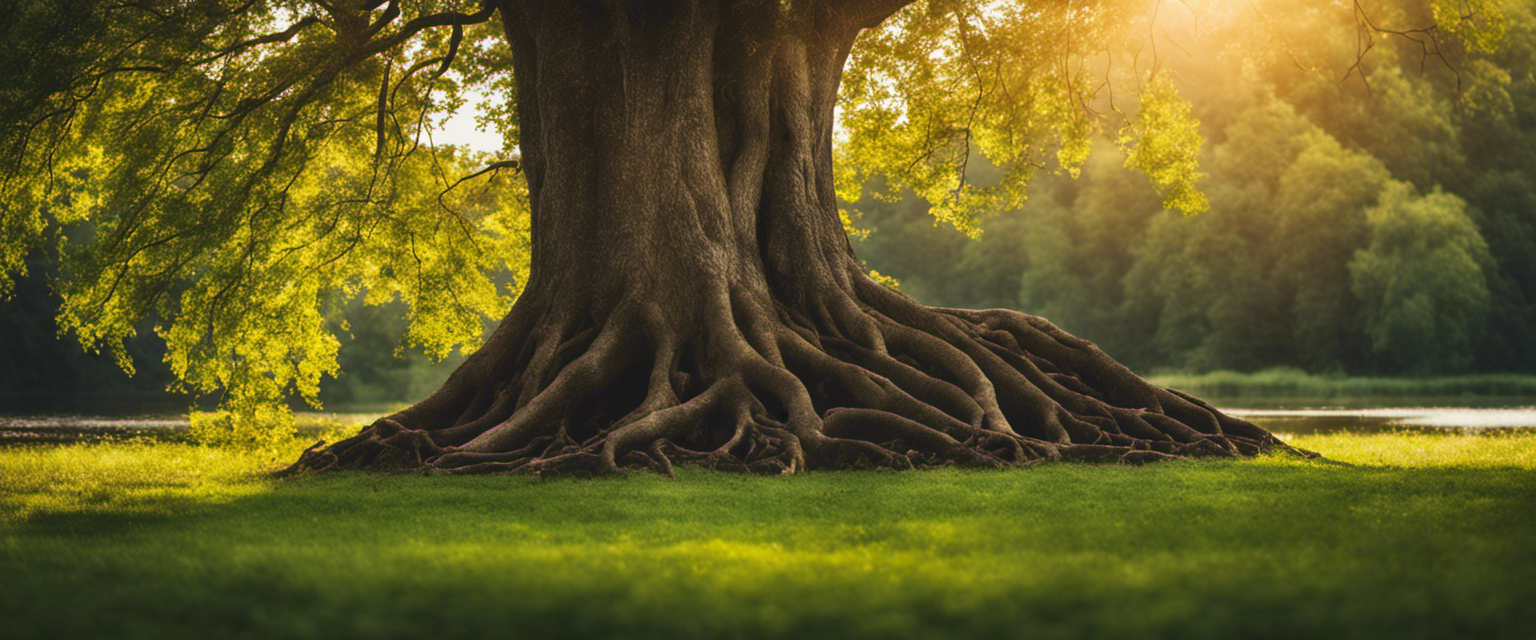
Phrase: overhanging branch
[868,14]
[281,36]
[416,25]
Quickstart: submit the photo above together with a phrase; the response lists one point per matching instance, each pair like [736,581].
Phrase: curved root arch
[870,379]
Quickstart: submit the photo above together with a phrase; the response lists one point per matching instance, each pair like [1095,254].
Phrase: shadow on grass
[1267,548]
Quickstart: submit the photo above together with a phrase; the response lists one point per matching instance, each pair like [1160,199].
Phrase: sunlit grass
[1402,535]
[1409,449]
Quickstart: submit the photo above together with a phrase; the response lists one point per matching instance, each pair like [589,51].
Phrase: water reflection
[43,429]
[63,428]
[1315,421]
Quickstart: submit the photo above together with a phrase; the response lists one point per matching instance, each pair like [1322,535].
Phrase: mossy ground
[1400,536]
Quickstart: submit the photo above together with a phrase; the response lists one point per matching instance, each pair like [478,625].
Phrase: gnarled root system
[870,380]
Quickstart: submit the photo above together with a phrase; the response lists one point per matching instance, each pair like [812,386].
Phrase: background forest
[1372,211]
[1376,218]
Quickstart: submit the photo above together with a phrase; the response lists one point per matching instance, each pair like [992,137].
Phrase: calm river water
[36,429]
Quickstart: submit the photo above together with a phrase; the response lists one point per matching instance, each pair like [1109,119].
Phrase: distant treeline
[1383,224]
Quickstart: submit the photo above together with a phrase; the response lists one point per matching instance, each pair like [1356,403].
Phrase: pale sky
[460,130]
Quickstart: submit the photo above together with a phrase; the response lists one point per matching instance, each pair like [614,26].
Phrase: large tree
[690,291]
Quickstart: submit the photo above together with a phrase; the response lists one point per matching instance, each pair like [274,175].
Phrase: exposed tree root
[868,379]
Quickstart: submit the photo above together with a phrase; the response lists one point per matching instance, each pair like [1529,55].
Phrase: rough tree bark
[694,298]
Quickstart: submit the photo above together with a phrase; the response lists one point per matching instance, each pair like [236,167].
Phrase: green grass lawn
[1420,536]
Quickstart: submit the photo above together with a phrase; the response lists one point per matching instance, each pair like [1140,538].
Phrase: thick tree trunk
[693,296]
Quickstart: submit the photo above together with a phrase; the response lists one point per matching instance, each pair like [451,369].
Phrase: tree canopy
[239,170]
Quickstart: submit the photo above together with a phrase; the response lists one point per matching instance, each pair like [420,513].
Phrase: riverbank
[1402,536]
[1291,388]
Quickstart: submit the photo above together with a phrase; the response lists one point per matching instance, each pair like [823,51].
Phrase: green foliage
[1421,281]
[377,367]
[1480,25]
[40,373]
[943,83]
[246,422]
[1164,141]
[44,46]
[1298,155]
[1505,209]
[241,192]
[1321,203]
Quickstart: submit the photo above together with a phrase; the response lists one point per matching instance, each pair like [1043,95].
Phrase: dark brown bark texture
[693,297]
